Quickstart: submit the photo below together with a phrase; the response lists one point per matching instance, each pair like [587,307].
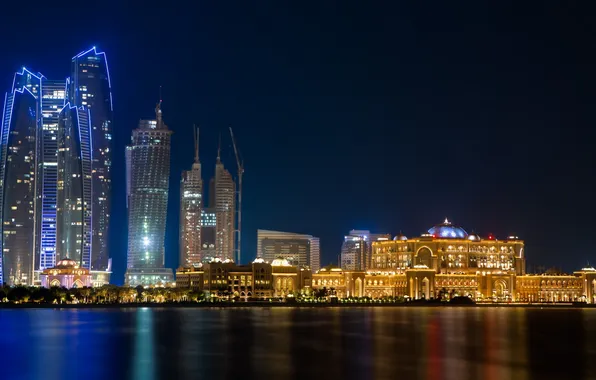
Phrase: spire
[196,134]
[158,111]
[219,150]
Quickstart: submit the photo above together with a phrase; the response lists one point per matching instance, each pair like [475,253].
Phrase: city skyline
[385,120]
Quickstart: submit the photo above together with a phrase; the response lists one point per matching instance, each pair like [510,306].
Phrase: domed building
[447,230]
[66,273]
[447,256]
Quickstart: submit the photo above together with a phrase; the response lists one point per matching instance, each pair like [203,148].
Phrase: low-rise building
[258,280]
[66,273]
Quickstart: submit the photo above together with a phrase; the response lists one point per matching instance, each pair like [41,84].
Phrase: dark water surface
[287,343]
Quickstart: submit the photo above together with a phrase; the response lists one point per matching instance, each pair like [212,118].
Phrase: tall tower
[75,198]
[18,158]
[148,175]
[224,203]
[28,171]
[52,102]
[90,88]
[191,207]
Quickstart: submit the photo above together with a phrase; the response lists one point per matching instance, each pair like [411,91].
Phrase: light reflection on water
[286,343]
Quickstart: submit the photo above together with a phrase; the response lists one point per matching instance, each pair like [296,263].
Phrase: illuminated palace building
[55,158]
[447,261]
[441,264]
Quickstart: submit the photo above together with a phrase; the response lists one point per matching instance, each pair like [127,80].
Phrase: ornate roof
[66,263]
[447,230]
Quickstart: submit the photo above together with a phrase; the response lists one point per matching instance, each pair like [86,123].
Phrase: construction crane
[240,164]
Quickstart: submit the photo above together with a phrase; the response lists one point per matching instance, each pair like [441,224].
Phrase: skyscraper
[18,157]
[298,249]
[90,88]
[148,175]
[191,211]
[223,189]
[28,162]
[75,202]
[52,102]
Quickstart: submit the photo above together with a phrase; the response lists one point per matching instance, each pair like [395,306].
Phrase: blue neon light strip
[105,59]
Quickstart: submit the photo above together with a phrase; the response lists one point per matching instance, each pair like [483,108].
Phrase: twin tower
[55,170]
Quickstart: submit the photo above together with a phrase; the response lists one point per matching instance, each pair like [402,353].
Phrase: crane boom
[240,165]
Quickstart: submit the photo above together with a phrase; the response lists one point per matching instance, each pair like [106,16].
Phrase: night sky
[349,114]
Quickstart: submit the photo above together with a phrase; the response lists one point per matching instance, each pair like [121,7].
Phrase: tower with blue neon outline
[28,176]
[90,90]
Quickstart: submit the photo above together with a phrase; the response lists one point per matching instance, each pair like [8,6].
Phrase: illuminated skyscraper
[224,203]
[191,207]
[28,171]
[74,212]
[52,102]
[148,175]
[18,153]
[90,88]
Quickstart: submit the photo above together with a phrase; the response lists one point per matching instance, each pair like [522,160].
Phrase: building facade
[208,234]
[191,212]
[223,189]
[258,280]
[356,249]
[148,175]
[448,262]
[298,249]
[90,89]
[18,173]
[67,274]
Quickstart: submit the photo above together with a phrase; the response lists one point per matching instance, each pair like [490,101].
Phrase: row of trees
[107,294]
[112,294]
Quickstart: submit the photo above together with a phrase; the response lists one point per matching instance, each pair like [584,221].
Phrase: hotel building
[447,261]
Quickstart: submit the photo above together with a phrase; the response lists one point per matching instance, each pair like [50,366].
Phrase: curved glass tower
[90,89]
[148,176]
[18,154]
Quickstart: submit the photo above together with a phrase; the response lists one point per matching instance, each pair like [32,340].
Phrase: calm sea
[287,343]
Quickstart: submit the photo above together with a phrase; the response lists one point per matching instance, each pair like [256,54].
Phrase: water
[286,343]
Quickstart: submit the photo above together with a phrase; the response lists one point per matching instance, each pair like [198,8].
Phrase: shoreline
[224,305]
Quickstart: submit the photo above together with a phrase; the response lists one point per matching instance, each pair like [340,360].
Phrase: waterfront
[352,343]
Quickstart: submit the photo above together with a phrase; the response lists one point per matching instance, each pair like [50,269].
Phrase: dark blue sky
[352,114]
